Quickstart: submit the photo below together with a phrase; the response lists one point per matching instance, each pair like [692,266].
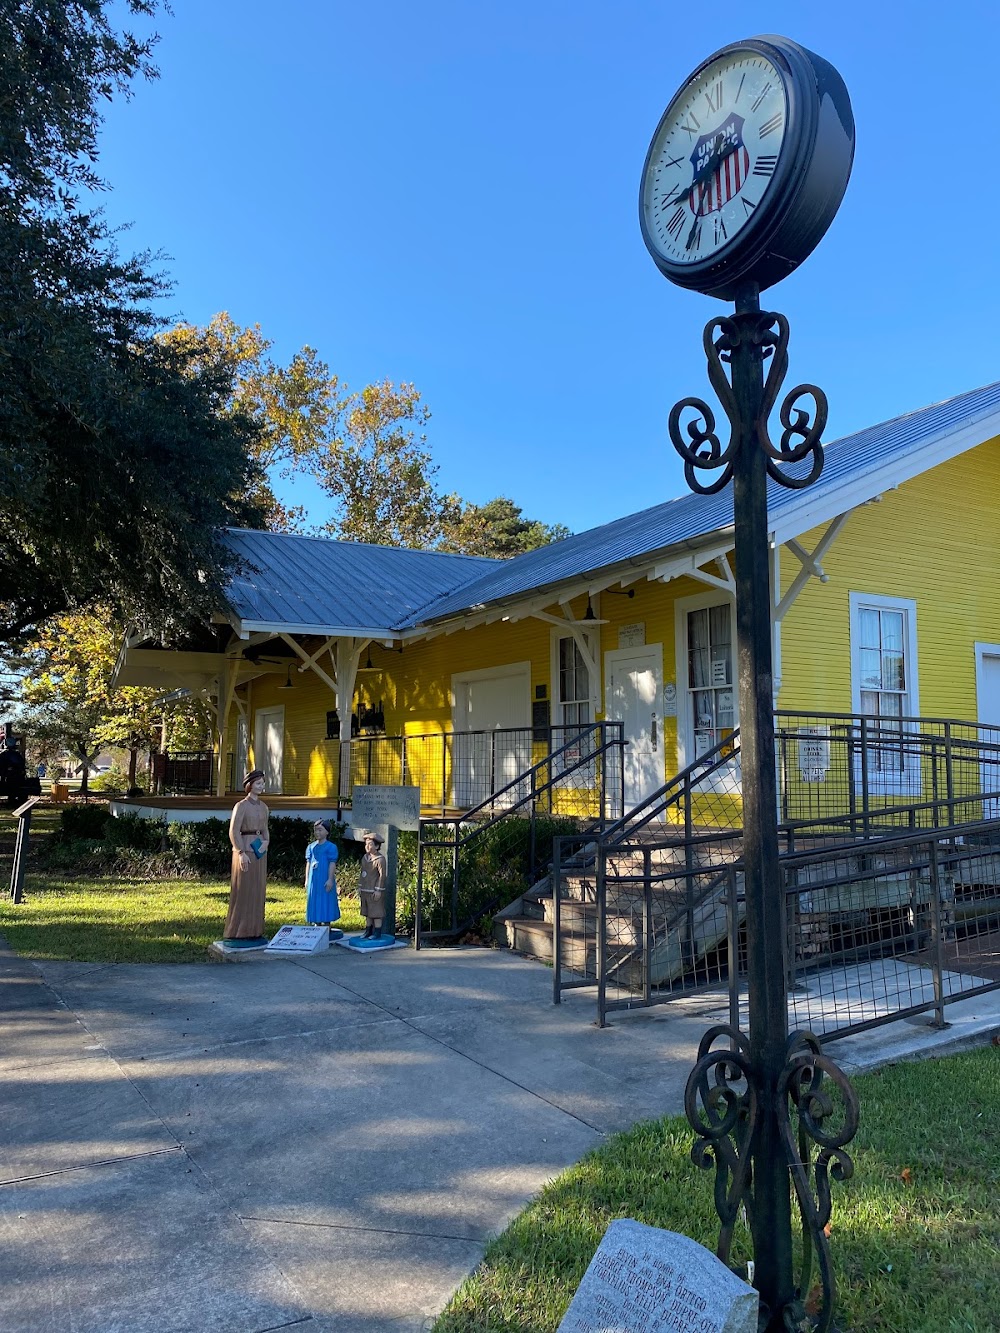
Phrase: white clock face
[713,157]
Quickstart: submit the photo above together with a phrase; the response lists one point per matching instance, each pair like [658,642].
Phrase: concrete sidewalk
[324,1143]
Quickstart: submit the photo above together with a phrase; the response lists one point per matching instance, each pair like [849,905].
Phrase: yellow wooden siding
[935,540]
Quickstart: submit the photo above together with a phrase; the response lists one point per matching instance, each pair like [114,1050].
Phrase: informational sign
[644,1280]
[632,636]
[385,807]
[814,753]
[720,671]
[300,939]
[670,699]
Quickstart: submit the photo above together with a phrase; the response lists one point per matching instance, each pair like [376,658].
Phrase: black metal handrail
[597,739]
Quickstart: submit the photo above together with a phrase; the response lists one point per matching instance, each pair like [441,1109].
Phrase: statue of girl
[322,907]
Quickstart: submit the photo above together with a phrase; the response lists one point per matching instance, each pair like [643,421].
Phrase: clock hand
[707,171]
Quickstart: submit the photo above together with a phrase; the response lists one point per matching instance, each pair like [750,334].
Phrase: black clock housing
[811,175]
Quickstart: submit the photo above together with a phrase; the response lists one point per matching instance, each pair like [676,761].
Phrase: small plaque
[670,699]
[300,939]
[814,753]
[377,807]
[644,1280]
[632,636]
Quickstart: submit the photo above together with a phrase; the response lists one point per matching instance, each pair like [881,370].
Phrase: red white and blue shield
[714,191]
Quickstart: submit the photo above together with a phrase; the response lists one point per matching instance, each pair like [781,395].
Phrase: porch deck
[193,809]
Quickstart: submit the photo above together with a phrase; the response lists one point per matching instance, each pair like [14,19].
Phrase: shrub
[84,821]
[135,833]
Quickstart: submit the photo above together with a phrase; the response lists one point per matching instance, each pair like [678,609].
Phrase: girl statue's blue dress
[322,908]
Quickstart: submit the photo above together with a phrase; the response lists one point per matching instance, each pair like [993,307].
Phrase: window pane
[893,676]
[704,708]
[871,669]
[719,624]
[869,702]
[868,628]
[892,632]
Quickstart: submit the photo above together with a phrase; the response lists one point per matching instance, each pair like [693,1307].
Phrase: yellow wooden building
[335,663]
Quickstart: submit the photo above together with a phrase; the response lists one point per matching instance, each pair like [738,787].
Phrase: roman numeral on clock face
[720,231]
[713,97]
[676,222]
[765,164]
[760,97]
[771,125]
[693,125]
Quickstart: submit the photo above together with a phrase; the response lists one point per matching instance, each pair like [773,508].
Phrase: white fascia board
[278,628]
[819,506]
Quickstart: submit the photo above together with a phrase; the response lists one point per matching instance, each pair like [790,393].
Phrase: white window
[711,693]
[573,689]
[884,686]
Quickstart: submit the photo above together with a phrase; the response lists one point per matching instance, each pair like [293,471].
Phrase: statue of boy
[371,886]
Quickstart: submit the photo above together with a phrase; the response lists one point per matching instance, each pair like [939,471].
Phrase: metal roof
[855,468]
[314,585]
[310,585]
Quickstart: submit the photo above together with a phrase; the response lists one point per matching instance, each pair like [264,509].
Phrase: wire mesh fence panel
[503,846]
[889,928]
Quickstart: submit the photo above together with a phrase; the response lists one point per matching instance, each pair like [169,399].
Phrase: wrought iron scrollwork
[721,1102]
[725,1095]
[825,1125]
[764,335]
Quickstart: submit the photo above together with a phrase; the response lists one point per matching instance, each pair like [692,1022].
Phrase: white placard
[670,699]
[374,807]
[300,939]
[720,671]
[814,753]
[632,636]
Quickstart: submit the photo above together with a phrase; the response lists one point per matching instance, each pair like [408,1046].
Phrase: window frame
[908,781]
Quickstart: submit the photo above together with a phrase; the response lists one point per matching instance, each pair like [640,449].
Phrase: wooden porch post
[223,703]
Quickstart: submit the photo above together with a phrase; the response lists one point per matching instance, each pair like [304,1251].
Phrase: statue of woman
[248,836]
[371,886]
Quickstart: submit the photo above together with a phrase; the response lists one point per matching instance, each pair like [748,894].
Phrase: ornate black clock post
[745,173]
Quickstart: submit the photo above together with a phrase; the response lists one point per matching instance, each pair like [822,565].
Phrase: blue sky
[445,192]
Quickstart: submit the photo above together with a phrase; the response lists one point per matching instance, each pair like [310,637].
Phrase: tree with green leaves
[499,529]
[118,462]
[295,408]
[67,703]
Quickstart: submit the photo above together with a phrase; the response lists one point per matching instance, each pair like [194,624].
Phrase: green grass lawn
[102,919]
[915,1235]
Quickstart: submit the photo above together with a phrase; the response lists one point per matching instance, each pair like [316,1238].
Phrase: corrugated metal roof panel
[322,586]
[692,517]
[327,585]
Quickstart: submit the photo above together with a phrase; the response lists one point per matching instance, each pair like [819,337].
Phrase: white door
[988,703]
[634,678]
[492,745]
[269,746]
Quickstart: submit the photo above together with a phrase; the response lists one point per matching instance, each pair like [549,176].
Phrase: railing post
[647,924]
[866,829]
[556,920]
[444,770]
[533,846]
[420,889]
[603,760]
[852,794]
[938,941]
[454,878]
[949,772]
[733,929]
[493,765]
[602,940]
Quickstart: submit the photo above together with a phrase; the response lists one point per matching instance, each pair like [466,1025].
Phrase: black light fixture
[620,592]
[589,613]
[288,685]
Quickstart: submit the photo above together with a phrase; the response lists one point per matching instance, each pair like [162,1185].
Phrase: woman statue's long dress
[245,918]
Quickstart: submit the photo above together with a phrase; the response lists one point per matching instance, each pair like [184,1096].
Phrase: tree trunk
[133,757]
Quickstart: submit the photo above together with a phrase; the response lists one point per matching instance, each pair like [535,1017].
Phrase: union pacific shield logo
[710,193]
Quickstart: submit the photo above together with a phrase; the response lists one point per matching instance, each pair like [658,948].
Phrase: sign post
[387,810]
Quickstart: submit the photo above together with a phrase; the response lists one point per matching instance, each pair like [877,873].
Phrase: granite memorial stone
[644,1280]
